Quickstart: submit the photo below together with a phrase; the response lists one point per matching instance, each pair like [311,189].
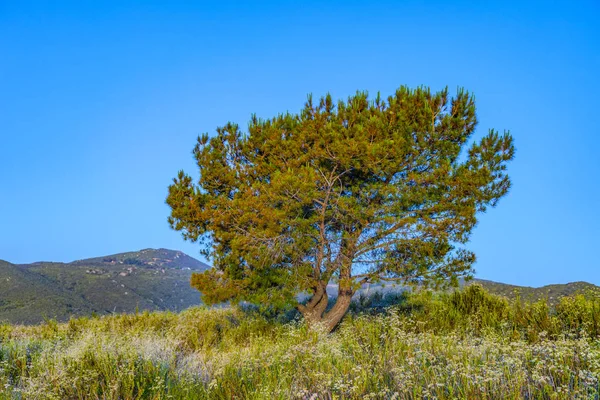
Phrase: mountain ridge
[148,279]
[154,279]
[551,292]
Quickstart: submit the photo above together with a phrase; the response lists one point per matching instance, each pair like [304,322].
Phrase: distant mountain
[551,293]
[153,279]
[150,279]
[149,257]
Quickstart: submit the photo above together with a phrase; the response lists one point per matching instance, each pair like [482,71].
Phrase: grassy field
[466,344]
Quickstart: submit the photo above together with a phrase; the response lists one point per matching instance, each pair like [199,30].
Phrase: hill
[150,279]
[551,293]
[149,257]
[153,279]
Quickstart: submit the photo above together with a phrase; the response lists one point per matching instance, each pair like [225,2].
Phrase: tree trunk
[333,317]
[316,314]
[314,310]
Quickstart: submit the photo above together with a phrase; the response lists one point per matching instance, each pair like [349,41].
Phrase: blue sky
[100,106]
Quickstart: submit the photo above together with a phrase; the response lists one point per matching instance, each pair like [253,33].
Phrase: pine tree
[356,192]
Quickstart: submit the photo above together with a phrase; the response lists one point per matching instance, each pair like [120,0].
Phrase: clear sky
[100,105]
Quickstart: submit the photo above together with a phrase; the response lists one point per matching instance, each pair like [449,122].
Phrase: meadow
[465,344]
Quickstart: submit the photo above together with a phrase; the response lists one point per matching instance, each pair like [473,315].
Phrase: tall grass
[465,344]
[474,311]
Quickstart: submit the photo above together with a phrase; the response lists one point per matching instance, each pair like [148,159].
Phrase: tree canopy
[353,192]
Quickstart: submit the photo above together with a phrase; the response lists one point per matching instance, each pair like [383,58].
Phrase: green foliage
[475,311]
[462,344]
[361,191]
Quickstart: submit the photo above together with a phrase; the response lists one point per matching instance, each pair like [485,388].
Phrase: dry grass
[469,345]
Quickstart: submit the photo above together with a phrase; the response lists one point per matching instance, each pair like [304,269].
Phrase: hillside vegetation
[154,280]
[550,293]
[467,344]
[146,280]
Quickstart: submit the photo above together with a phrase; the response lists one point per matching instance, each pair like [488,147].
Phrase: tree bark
[333,317]
[316,314]
[314,310]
